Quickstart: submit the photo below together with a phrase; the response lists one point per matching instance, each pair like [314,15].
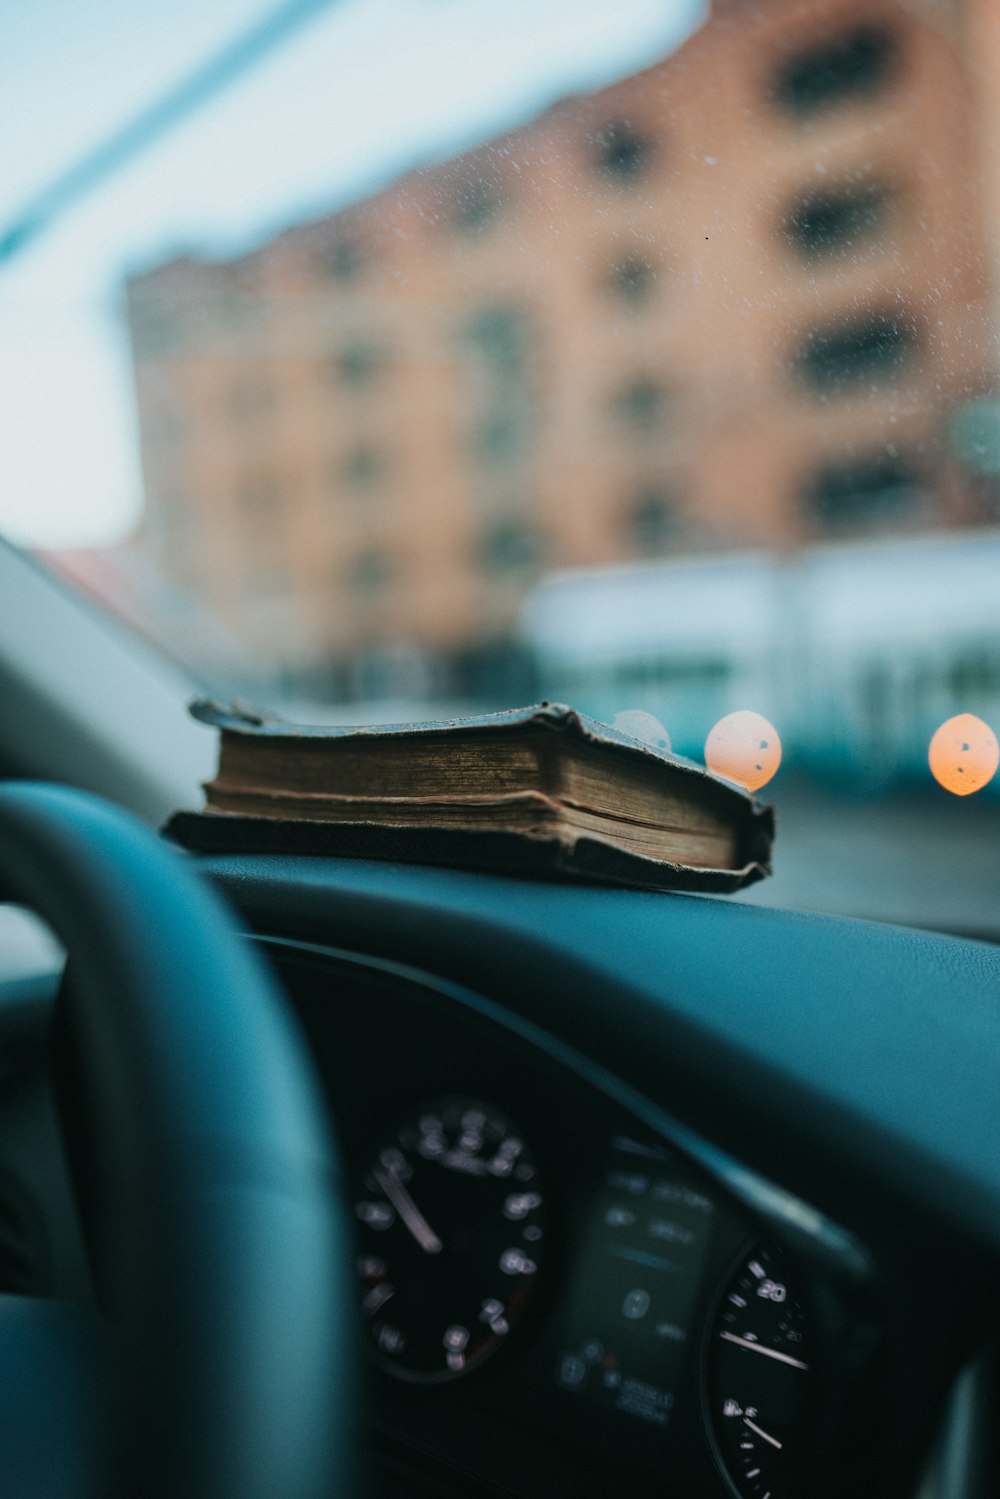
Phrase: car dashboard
[652,1193]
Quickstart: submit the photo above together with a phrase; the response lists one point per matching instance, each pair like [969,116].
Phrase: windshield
[392,359]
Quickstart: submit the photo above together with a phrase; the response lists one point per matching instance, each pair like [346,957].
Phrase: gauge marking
[459,1160]
[513,1262]
[377,1296]
[784,1358]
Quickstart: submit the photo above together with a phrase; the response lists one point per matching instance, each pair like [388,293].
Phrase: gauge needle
[767,1437]
[784,1358]
[409,1212]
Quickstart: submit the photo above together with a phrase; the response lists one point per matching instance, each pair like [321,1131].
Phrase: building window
[859,493]
[497,343]
[632,279]
[652,520]
[476,205]
[621,152]
[640,404]
[873,349]
[831,223]
[359,363]
[156,329]
[372,571]
[363,467]
[237,311]
[852,66]
[511,547]
[502,434]
[345,259]
[499,337]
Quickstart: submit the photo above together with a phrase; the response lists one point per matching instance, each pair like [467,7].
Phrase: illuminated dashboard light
[964,754]
[745,748]
[642,726]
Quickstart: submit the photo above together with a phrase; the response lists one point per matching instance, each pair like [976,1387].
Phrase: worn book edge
[554,851]
[585,858]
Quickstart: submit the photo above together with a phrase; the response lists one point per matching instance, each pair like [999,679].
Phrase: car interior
[345,1178]
[720,1202]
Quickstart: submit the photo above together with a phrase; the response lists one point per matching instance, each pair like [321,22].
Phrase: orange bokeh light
[964,754]
[744,748]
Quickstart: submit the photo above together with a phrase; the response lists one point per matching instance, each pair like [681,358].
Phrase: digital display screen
[635,1286]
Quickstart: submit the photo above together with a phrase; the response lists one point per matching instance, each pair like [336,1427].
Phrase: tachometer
[451,1235]
[757,1379]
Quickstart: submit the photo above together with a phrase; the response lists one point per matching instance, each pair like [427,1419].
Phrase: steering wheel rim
[206,1177]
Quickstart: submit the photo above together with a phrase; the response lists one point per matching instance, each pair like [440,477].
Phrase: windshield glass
[397,358]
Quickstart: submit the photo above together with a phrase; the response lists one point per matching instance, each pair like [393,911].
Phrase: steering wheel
[206,1181]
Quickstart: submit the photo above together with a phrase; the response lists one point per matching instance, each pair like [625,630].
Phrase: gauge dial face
[758,1379]
[451,1233]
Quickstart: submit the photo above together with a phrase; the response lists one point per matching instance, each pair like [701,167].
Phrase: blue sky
[363,91]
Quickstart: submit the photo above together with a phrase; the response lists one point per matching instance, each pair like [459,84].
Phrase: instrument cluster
[533,1263]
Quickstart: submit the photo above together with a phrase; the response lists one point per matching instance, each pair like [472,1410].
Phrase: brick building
[732,301]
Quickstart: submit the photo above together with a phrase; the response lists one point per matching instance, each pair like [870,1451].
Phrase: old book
[541,789]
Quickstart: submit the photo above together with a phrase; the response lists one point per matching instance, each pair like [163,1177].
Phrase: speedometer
[451,1235]
[758,1378]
